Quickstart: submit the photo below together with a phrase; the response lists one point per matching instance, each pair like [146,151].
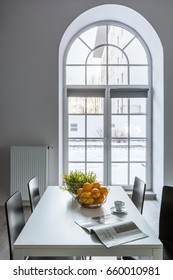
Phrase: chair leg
[119,258]
[85,257]
[128,258]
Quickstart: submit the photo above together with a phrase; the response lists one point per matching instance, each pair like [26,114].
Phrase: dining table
[51,229]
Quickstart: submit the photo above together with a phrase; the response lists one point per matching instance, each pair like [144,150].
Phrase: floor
[150,212]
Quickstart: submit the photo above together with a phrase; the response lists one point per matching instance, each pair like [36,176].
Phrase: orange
[87,186]
[87,200]
[96,185]
[99,199]
[85,194]
[103,190]
[95,193]
[79,191]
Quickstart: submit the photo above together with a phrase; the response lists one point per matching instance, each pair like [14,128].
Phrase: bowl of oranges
[92,195]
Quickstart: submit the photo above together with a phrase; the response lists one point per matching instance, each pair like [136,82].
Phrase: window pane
[117,75]
[115,56]
[95,105]
[75,75]
[119,150]
[138,150]
[98,169]
[119,173]
[76,126]
[96,75]
[138,75]
[119,105]
[119,36]
[95,150]
[76,149]
[137,126]
[76,166]
[139,55]
[76,105]
[95,126]
[119,126]
[138,105]
[98,56]
[137,169]
[94,36]
[77,53]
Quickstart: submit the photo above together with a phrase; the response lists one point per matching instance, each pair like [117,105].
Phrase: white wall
[30,34]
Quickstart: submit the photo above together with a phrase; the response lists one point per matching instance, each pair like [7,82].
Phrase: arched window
[107,104]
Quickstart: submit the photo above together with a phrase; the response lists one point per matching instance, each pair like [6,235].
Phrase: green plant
[75,179]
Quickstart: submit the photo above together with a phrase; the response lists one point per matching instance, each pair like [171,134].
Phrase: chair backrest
[166,217]
[138,193]
[15,218]
[34,194]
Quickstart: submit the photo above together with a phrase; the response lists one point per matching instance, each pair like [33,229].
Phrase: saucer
[123,211]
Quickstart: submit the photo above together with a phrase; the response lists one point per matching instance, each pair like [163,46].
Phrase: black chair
[15,219]
[138,193]
[15,223]
[34,194]
[165,222]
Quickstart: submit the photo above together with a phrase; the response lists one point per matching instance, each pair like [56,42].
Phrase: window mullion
[65,133]
[109,142]
[85,134]
[128,142]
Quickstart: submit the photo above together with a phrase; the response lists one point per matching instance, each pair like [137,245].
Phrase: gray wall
[30,33]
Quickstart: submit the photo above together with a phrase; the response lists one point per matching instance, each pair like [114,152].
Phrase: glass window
[138,75]
[94,37]
[118,75]
[137,57]
[75,75]
[81,57]
[98,56]
[106,98]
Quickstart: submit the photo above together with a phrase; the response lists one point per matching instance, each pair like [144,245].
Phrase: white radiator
[25,163]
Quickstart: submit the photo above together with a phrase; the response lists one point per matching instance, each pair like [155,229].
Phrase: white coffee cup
[119,205]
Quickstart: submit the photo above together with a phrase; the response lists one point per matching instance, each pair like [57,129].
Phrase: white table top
[51,229]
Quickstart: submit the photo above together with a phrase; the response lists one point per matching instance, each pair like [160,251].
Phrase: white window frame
[108,88]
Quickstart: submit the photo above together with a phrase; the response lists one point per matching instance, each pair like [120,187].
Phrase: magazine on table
[110,231]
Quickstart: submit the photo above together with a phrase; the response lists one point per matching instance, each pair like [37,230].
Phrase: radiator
[25,163]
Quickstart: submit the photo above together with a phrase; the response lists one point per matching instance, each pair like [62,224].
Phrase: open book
[110,231]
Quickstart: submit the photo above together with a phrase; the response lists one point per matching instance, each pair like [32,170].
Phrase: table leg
[157,254]
[17,255]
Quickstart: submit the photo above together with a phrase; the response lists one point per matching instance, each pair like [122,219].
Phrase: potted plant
[75,180]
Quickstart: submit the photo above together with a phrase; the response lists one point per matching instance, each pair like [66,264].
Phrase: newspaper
[110,231]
